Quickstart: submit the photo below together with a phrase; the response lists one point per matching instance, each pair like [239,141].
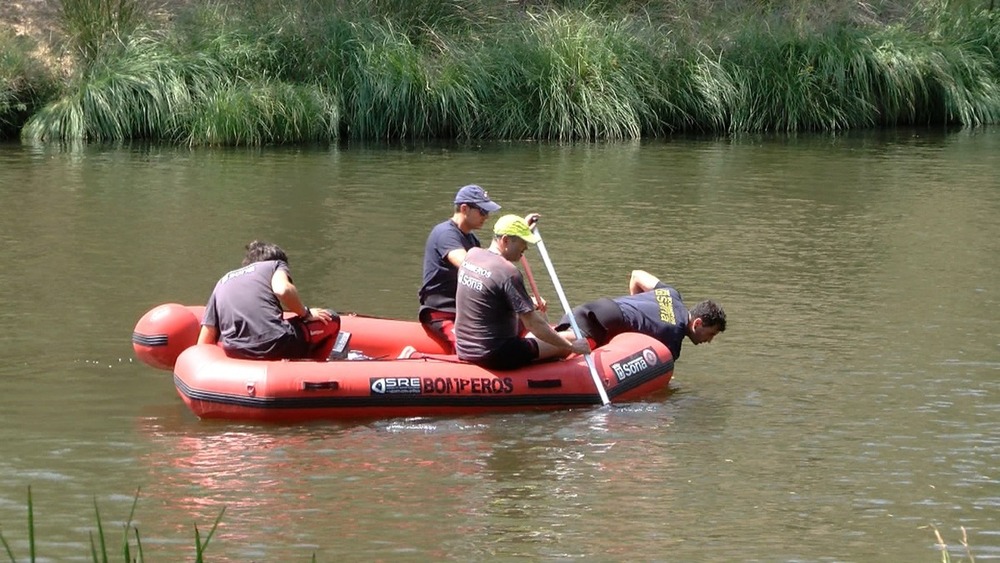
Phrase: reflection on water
[408,486]
[853,400]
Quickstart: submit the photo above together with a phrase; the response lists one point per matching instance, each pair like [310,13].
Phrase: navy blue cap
[477,196]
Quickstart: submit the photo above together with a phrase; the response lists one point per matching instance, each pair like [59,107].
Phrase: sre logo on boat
[386,385]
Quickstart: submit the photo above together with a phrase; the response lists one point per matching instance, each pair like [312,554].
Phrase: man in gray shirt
[491,299]
[244,313]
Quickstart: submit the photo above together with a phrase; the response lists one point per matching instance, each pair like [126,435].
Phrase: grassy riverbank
[265,71]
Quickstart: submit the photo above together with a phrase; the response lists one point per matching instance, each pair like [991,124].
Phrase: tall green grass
[263,112]
[394,90]
[848,79]
[91,26]
[789,83]
[425,22]
[270,71]
[130,552]
[141,93]
[571,76]
[699,92]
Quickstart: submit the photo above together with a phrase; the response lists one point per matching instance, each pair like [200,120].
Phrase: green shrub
[25,83]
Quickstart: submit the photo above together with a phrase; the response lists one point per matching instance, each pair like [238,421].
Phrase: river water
[852,405]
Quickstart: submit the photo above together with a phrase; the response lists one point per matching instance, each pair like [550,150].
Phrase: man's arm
[535,323]
[456,257]
[208,335]
[641,281]
[285,290]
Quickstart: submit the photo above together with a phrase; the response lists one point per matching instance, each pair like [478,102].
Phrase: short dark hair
[260,251]
[711,314]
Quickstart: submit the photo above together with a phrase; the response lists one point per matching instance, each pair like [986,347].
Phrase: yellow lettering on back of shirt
[666,304]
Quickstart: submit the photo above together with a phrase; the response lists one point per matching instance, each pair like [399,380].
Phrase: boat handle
[320,385]
[544,383]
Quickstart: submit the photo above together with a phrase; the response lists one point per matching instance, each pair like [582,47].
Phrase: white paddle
[569,313]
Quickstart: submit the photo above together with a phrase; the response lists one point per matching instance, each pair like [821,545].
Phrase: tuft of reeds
[263,112]
[789,83]
[99,544]
[422,23]
[568,75]
[846,79]
[276,74]
[138,94]
[389,86]
[698,91]
[93,25]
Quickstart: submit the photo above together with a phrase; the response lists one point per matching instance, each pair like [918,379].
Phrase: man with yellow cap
[491,299]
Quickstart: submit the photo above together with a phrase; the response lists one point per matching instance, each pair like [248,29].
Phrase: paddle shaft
[569,313]
[531,280]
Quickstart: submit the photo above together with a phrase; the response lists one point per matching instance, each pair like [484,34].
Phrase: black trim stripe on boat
[424,400]
[382,401]
[149,339]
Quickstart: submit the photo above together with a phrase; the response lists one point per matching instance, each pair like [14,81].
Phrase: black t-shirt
[659,313]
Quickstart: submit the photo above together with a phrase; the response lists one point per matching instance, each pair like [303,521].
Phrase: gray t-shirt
[490,297]
[247,313]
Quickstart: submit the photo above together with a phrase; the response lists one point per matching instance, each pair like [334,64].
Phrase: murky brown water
[854,400]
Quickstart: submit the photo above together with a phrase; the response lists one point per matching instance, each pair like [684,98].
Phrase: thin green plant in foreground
[945,554]
[99,544]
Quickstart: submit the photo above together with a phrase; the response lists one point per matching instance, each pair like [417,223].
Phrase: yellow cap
[512,225]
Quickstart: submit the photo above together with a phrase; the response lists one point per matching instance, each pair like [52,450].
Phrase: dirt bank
[36,18]
[39,19]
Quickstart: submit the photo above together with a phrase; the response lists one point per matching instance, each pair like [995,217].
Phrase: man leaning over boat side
[244,313]
[491,300]
[444,251]
[652,308]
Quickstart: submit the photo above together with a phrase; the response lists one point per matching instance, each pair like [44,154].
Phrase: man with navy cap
[444,252]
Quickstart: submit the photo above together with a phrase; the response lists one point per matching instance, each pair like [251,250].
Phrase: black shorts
[288,347]
[599,320]
[514,353]
[292,346]
[295,345]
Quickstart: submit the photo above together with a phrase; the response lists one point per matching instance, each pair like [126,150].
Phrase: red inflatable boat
[380,385]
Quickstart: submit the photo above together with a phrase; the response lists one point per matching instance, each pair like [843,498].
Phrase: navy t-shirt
[440,276]
[659,313]
[247,313]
